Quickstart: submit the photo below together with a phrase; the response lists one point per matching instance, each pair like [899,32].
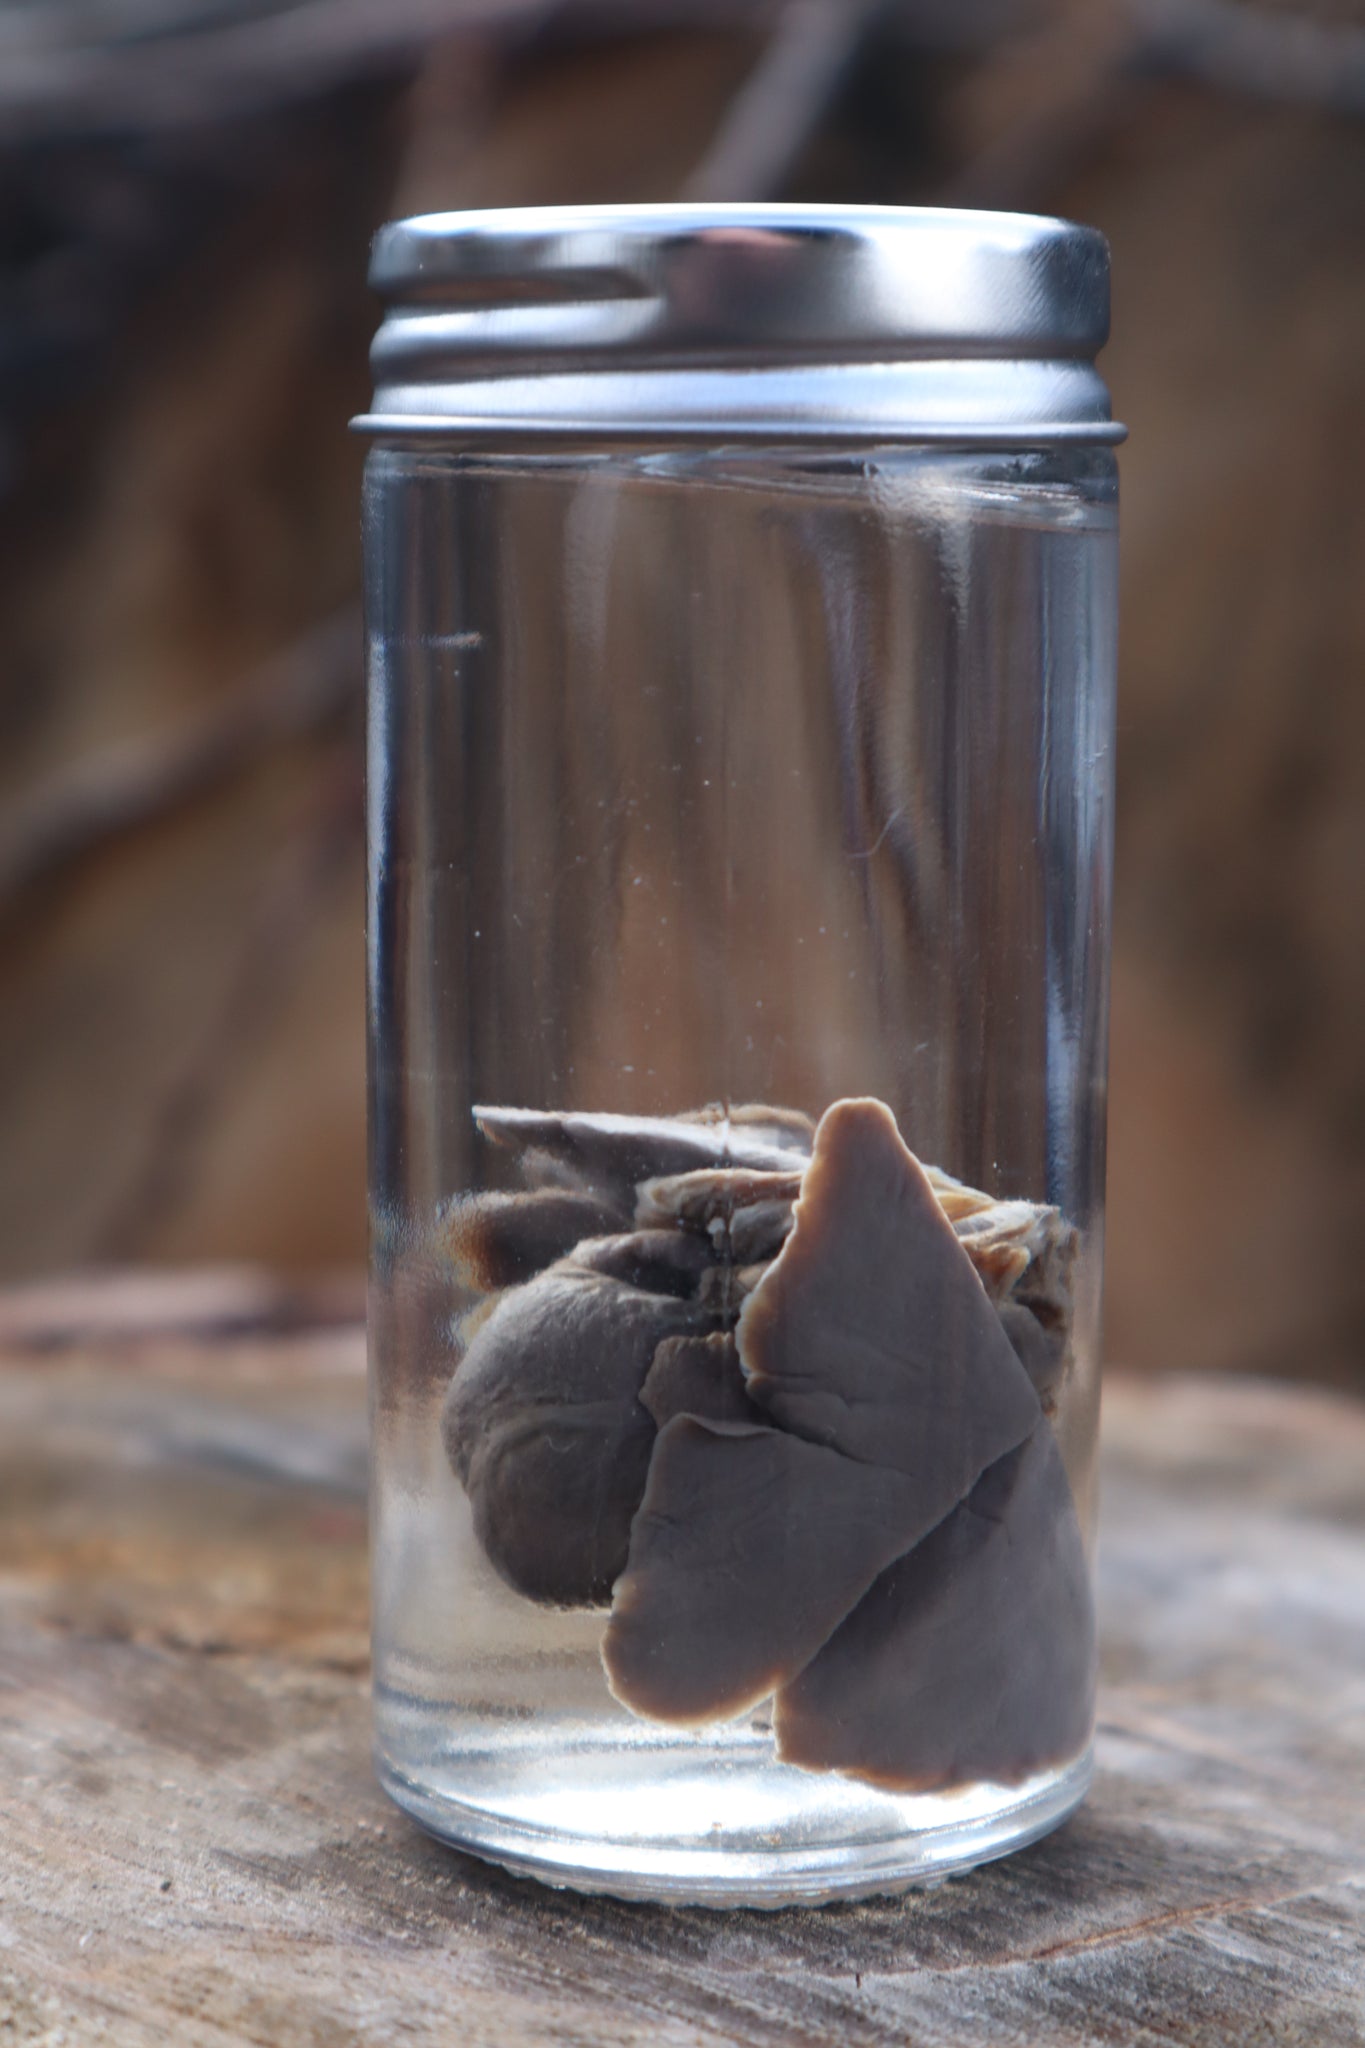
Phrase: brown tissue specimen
[973,1657]
[871,1346]
[498,1240]
[543,1424]
[698,1376]
[748,1550]
[613,1154]
[791,1425]
[871,1332]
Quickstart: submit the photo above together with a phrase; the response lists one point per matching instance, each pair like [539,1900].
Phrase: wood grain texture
[192,1847]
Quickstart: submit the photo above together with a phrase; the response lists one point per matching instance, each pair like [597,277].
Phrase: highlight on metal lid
[666,322]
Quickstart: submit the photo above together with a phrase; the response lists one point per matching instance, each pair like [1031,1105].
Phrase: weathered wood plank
[192,1846]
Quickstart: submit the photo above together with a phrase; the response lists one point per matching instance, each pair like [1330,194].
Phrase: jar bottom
[701,1820]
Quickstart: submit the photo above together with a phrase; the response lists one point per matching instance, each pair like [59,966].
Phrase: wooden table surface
[193,1850]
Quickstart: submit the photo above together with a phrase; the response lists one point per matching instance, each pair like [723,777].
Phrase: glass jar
[740,597]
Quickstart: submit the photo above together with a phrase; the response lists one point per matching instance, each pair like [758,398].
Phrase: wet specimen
[779,1398]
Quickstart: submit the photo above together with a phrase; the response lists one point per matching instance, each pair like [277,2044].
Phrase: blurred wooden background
[186,195]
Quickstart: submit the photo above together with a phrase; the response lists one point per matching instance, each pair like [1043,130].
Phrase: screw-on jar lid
[723,322]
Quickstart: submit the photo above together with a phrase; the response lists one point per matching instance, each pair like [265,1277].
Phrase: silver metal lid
[768,322]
